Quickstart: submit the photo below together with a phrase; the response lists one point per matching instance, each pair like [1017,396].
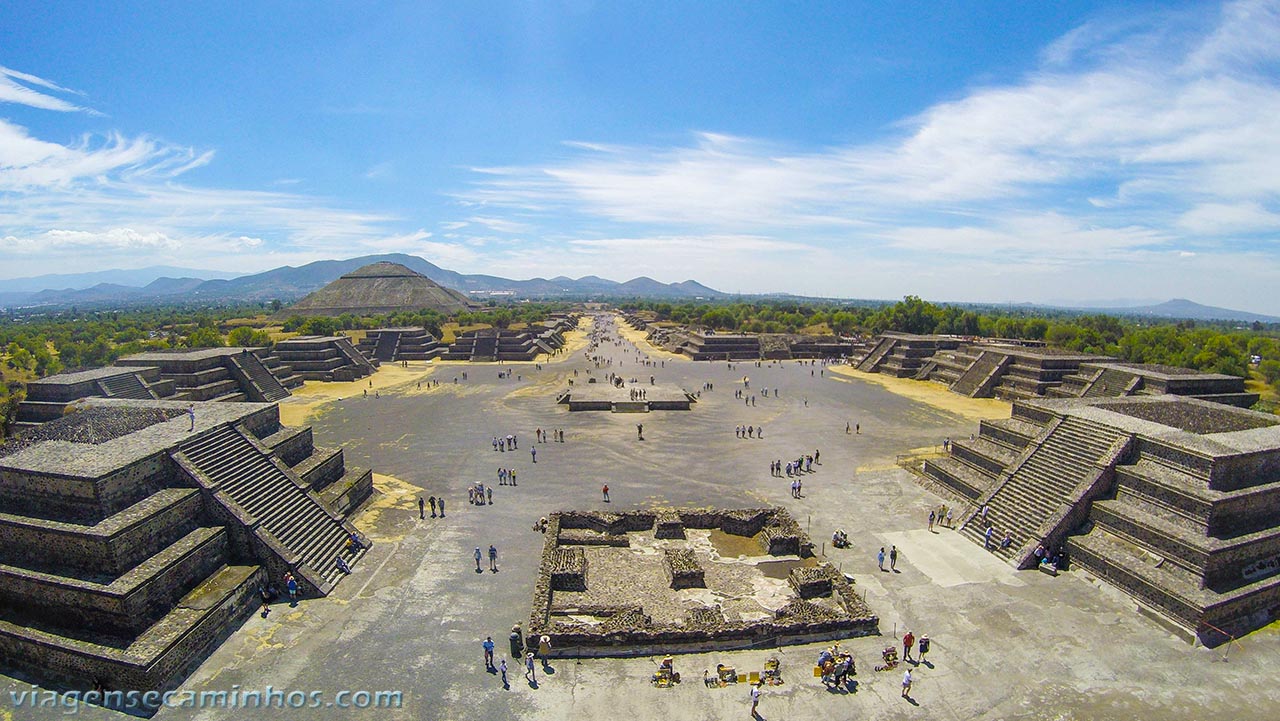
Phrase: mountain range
[288,283]
[167,284]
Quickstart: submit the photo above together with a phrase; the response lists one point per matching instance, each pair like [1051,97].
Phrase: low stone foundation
[652,572]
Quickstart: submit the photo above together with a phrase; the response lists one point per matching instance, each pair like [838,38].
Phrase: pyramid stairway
[254,483]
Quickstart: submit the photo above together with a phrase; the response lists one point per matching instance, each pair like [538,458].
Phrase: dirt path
[933,394]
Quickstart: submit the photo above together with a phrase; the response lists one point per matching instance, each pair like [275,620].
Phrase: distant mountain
[1182,308]
[137,277]
[288,283]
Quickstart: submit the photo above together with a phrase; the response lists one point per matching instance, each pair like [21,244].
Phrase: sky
[987,151]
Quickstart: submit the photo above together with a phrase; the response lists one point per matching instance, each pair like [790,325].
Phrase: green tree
[204,338]
[244,336]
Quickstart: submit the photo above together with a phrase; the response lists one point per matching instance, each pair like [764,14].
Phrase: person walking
[422,508]
[502,668]
[755,699]
[478,556]
[605,492]
[493,558]
[880,558]
[529,673]
[893,558]
[488,652]
[533,451]
[906,684]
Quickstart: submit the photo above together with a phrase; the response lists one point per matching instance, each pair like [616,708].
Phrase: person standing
[605,492]
[478,556]
[931,517]
[533,451]
[908,641]
[755,699]
[924,646]
[906,684]
[493,558]
[502,668]
[422,508]
[511,474]
[893,558]
[880,558]
[529,672]
[440,502]
[488,652]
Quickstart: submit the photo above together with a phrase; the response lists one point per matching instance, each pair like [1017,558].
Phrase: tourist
[478,556]
[755,699]
[816,456]
[502,669]
[847,429]
[488,652]
[342,565]
[880,558]
[533,451]
[924,646]
[986,538]
[529,673]
[191,413]
[422,508]
[893,559]
[291,585]
[511,473]
[949,519]
[489,492]
[908,641]
[931,517]
[605,492]
[440,502]
[906,684]
[1007,540]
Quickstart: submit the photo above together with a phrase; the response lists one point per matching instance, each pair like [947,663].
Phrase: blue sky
[976,151]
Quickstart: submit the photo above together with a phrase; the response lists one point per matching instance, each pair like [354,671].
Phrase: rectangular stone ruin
[651,573]
[682,568]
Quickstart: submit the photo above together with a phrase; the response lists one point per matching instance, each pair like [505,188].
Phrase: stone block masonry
[643,565]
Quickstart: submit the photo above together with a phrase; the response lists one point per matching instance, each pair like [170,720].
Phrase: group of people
[557,435]
[749,432]
[941,516]
[493,559]
[422,506]
[504,444]
[477,493]
[506,476]
[836,666]
[803,464]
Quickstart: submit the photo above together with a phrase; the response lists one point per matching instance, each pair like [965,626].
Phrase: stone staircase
[296,520]
[385,350]
[485,349]
[267,385]
[1041,483]
[1111,383]
[872,361]
[926,370]
[974,381]
[125,385]
[355,357]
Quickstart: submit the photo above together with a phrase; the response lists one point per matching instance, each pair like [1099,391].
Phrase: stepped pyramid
[376,289]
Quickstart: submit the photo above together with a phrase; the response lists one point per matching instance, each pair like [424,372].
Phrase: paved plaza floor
[411,618]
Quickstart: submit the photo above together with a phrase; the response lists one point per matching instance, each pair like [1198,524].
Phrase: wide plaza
[412,617]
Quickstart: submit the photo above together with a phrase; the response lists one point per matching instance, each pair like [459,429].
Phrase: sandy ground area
[933,394]
[640,339]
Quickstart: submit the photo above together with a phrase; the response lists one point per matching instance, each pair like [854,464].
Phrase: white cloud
[1214,219]
[17,87]
[115,239]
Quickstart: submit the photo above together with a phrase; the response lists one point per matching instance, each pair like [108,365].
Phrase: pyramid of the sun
[379,288]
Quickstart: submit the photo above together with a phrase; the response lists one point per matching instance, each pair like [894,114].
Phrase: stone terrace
[136,538]
[1176,501]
